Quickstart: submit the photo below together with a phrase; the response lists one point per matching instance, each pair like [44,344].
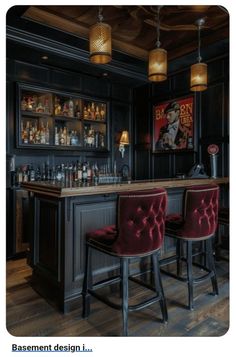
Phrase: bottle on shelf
[56,136]
[103,112]
[92,111]
[97,113]
[84,173]
[85,113]
[71,108]
[42,134]
[47,134]
[57,106]
[77,110]
[23,104]
[46,106]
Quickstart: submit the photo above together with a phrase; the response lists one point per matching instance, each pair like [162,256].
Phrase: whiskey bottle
[89,112]
[23,104]
[56,136]
[84,173]
[42,135]
[92,111]
[85,113]
[71,108]
[97,113]
[47,134]
[103,112]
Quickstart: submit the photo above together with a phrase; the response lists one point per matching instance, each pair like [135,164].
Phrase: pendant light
[100,41]
[198,79]
[157,62]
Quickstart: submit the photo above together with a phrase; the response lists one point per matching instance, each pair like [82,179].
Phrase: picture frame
[173,125]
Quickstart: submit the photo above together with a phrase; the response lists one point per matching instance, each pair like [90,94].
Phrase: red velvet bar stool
[198,223]
[139,233]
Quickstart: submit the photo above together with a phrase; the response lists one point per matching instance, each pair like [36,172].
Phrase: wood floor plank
[28,314]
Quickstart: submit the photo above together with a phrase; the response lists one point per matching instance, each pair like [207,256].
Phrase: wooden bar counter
[59,219]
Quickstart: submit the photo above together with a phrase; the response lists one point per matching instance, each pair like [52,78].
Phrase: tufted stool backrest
[200,211]
[141,221]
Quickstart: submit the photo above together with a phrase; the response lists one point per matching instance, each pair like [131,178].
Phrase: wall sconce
[124,140]
[198,79]
[100,41]
[157,62]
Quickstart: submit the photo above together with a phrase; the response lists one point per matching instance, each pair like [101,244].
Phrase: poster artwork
[173,125]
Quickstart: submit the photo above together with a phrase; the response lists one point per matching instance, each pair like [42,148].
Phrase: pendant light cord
[100,16]
[158,26]
[199,58]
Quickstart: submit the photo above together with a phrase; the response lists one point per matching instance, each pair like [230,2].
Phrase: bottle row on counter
[69,174]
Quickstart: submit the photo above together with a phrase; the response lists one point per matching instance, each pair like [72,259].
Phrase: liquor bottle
[89,173]
[38,174]
[47,134]
[85,136]
[101,139]
[56,136]
[97,113]
[31,134]
[61,137]
[31,173]
[57,107]
[84,173]
[68,138]
[103,112]
[26,133]
[22,132]
[46,106]
[92,111]
[29,104]
[77,110]
[40,108]
[23,104]
[85,113]
[71,108]
[19,175]
[89,112]
[65,135]
[42,134]
[79,172]
[65,109]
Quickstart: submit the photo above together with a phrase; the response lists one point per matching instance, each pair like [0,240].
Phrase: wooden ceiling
[134,28]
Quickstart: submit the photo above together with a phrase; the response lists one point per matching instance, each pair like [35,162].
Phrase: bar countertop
[58,190]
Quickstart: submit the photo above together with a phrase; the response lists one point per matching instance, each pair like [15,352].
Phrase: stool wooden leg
[211,264]
[179,253]
[190,274]
[87,283]
[125,294]
[158,285]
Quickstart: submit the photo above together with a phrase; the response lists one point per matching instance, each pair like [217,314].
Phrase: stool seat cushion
[103,238]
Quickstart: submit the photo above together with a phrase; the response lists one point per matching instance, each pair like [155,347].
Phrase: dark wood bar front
[62,216]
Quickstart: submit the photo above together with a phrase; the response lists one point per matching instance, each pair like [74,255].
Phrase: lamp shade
[100,43]
[124,139]
[198,80]
[157,65]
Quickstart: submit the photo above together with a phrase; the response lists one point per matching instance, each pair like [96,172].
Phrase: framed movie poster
[173,127]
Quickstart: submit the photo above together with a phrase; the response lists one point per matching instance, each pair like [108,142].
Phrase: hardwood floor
[28,314]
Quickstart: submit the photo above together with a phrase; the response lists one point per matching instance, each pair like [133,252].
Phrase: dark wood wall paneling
[211,123]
